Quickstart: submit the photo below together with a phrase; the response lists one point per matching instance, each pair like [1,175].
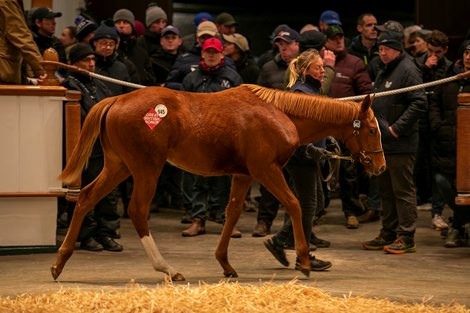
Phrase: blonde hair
[298,66]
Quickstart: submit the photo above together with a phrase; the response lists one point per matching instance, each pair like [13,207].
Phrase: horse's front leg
[142,194]
[238,191]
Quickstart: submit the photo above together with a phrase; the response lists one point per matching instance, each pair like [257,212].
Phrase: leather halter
[362,155]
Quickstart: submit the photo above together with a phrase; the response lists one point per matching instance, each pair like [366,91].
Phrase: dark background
[257,24]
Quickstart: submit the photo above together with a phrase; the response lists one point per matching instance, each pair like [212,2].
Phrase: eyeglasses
[110,44]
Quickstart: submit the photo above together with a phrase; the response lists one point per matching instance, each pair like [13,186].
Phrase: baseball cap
[332,31]
[288,35]
[330,17]
[213,43]
[201,17]
[44,12]
[206,28]
[239,40]
[390,25]
[225,19]
[171,29]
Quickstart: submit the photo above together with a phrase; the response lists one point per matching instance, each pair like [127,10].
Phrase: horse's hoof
[231,274]
[55,272]
[305,271]
[178,277]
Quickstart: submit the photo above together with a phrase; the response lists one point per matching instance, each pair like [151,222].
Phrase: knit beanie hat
[126,15]
[312,39]
[391,39]
[79,51]
[153,14]
[84,28]
[105,31]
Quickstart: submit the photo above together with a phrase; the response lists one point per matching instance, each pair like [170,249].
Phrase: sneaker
[319,243]
[453,239]
[400,246]
[376,244]
[352,222]
[316,265]
[438,223]
[291,246]
[277,251]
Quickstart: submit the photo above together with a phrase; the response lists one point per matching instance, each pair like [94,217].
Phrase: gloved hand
[316,153]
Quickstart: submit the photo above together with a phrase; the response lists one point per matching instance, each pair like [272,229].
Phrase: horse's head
[365,140]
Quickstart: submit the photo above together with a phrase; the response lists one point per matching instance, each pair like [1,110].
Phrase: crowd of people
[418,128]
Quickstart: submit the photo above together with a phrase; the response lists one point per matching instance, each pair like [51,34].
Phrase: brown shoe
[261,230]
[236,233]
[369,216]
[352,222]
[196,228]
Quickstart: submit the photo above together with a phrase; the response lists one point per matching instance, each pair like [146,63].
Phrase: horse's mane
[309,106]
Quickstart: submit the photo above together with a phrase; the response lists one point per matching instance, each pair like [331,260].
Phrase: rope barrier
[411,88]
[353,98]
[101,77]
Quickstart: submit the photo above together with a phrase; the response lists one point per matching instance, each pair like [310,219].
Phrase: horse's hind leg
[144,188]
[112,173]
[238,191]
[274,181]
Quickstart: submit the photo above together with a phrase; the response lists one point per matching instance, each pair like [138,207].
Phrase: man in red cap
[210,194]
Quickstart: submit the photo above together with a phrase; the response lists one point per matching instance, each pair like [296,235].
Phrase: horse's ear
[367,103]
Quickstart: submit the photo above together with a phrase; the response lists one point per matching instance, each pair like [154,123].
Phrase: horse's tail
[90,132]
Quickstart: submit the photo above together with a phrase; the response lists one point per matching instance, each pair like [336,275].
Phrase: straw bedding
[221,297]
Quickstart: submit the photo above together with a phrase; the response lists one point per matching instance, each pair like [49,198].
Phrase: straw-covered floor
[221,297]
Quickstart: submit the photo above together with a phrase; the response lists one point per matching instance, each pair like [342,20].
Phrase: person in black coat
[102,224]
[443,123]
[397,116]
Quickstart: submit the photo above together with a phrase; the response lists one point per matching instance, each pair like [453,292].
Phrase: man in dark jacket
[100,225]
[187,62]
[351,79]
[443,121]
[398,117]
[209,194]
[43,29]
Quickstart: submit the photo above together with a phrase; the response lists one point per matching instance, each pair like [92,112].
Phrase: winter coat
[309,86]
[400,111]
[220,79]
[356,48]
[351,77]
[16,45]
[272,74]
[186,63]
[112,67]
[443,123]
[93,91]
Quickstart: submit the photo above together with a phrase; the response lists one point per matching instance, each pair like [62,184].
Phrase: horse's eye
[372,131]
